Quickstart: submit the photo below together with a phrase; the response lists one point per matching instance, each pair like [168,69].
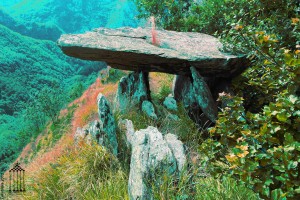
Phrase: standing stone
[148,109]
[107,125]
[183,91]
[133,89]
[152,154]
[204,96]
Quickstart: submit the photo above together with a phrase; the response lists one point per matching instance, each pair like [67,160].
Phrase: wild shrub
[255,139]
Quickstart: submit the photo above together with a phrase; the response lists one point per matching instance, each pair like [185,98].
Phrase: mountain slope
[36,30]
[75,15]
[27,65]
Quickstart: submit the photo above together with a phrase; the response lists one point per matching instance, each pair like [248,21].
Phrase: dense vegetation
[36,81]
[55,16]
[257,134]
[91,172]
[255,141]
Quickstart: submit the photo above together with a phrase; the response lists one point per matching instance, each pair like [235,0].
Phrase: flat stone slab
[132,49]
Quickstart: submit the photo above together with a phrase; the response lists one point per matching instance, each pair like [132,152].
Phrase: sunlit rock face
[152,155]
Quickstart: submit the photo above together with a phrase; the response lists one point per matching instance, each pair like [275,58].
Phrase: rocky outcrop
[152,153]
[102,131]
[133,89]
[107,125]
[132,49]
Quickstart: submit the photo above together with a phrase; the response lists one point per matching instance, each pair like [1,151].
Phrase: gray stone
[94,129]
[132,49]
[132,89]
[107,125]
[170,103]
[129,130]
[177,149]
[151,153]
[203,96]
[182,90]
[148,109]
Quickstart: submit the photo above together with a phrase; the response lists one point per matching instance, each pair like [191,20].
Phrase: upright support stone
[133,89]
[203,96]
[183,91]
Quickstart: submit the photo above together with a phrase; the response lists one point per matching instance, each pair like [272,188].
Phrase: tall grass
[85,172]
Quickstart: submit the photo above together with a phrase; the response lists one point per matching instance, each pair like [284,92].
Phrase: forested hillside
[29,66]
[76,15]
[36,79]
[36,30]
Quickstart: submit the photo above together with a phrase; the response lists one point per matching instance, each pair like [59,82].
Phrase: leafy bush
[255,139]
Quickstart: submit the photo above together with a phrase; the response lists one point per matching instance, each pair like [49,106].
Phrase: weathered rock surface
[129,130]
[148,109]
[195,94]
[177,149]
[133,89]
[107,125]
[88,133]
[152,153]
[183,91]
[203,96]
[132,49]
[170,103]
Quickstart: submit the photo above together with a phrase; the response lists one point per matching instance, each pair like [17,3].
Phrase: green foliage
[111,75]
[191,184]
[262,149]
[86,15]
[29,69]
[255,139]
[62,124]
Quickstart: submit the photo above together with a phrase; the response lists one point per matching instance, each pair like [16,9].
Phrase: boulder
[148,109]
[151,154]
[132,49]
[170,103]
[132,89]
[107,125]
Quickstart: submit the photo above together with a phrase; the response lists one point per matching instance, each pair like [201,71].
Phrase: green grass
[85,172]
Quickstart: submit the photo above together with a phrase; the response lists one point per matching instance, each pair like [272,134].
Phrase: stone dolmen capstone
[194,56]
